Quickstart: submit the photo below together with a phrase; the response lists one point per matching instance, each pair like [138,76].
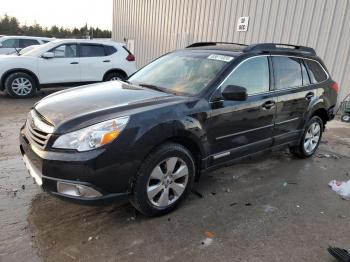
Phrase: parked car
[11,44]
[186,113]
[65,62]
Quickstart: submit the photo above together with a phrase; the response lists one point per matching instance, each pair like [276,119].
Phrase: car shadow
[61,229]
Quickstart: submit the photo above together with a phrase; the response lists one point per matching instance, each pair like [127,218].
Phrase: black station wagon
[186,113]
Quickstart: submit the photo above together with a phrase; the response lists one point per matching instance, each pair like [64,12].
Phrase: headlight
[93,136]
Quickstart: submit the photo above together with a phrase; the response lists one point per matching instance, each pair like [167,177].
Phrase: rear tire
[310,140]
[164,180]
[20,85]
[345,118]
[114,76]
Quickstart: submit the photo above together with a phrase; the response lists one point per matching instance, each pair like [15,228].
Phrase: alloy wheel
[21,86]
[167,182]
[312,137]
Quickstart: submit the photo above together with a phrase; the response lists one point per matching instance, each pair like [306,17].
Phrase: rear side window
[253,74]
[109,50]
[91,50]
[317,74]
[287,72]
[27,42]
[10,43]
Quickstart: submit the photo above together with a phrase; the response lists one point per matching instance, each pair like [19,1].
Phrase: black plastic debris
[195,192]
[340,254]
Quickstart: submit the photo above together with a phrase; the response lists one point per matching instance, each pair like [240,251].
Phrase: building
[154,27]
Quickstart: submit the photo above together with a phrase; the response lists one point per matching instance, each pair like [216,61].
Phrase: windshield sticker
[221,57]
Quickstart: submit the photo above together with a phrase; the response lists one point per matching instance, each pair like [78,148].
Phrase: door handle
[74,63]
[106,61]
[268,104]
[309,96]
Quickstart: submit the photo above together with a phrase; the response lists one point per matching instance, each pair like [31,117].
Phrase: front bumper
[79,176]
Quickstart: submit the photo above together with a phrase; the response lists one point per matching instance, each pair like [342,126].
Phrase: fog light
[77,190]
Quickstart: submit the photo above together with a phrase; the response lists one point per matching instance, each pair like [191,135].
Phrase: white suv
[12,44]
[65,62]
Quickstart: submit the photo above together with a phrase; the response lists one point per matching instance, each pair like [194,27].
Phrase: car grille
[37,130]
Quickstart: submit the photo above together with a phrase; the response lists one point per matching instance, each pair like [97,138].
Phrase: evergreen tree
[11,26]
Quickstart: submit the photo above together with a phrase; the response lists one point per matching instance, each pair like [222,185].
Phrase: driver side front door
[239,128]
[64,67]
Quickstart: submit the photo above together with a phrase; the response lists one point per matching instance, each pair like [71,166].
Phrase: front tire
[311,138]
[164,180]
[20,85]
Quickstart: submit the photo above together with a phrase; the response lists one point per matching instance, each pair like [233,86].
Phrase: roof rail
[198,44]
[268,47]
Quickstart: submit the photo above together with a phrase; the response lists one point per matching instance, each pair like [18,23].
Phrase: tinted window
[110,49]
[10,43]
[27,42]
[316,72]
[252,74]
[68,50]
[91,50]
[306,79]
[287,72]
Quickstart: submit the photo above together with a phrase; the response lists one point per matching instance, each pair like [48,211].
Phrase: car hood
[78,107]
[14,57]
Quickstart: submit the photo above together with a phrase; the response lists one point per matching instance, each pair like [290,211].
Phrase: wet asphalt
[273,207]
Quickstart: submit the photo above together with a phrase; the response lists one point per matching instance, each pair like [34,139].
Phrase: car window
[27,42]
[253,74]
[67,50]
[317,74]
[91,50]
[109,50]
[10,43]
[306,79]
[287,72]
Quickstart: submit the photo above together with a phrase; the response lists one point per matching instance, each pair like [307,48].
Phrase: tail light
[335,87]
[130,57]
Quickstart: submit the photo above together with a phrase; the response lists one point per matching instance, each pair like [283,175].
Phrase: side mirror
[235,93]
[48,55]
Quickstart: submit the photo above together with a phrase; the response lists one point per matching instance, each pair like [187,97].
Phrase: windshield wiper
[17,51]
[153,87]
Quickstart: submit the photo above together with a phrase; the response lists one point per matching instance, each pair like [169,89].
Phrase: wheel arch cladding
[321,113]
[187,140]
[18,70]
[115,70]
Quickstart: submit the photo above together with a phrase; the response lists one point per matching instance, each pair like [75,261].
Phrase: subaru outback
[147,139]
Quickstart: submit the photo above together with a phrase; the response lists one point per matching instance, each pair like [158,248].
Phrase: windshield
[39,49]
[27,49]
[181,72]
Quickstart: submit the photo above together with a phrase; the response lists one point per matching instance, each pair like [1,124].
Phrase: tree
[11,26]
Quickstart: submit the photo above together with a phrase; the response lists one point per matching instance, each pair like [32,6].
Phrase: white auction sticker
[220,57]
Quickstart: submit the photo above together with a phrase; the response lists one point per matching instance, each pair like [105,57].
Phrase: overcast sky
[66,13]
